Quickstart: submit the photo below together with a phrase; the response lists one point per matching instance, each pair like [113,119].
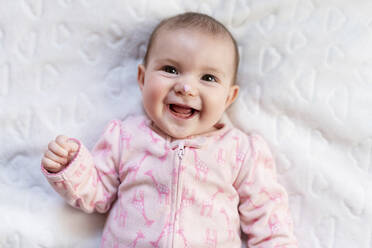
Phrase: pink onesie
[196,192]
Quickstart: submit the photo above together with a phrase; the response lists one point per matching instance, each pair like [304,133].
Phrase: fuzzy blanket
[69,66]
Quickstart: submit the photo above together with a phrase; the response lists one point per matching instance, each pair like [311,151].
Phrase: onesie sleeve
[263,206]
[91,179]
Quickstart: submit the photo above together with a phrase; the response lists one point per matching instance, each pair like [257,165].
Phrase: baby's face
[187,83]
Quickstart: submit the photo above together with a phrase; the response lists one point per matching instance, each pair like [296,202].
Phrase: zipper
[180,151]
[180,154]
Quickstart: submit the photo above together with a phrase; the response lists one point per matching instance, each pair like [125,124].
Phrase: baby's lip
[184,105]
[182,111]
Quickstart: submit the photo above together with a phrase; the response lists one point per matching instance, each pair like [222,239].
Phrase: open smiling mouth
[183,112]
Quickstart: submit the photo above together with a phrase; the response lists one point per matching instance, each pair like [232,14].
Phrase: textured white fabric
[69,66]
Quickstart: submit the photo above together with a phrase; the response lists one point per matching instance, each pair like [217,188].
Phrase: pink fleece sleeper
[197,192]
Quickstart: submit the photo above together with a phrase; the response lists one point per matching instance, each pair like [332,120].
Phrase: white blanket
[69,66]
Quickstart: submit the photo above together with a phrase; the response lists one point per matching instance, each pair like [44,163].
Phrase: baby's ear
[233,94]
[141,76]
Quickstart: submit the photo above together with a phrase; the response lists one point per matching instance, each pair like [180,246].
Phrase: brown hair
[197,21]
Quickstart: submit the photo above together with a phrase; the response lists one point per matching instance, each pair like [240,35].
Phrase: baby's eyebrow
[213,71]
[167,61]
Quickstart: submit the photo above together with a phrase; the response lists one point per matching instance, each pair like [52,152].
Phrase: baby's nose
[185,89]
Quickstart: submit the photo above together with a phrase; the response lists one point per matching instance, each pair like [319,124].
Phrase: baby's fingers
[51,166]
[68,144]
[57,149]
[73,146]
[58,159]
[62,141]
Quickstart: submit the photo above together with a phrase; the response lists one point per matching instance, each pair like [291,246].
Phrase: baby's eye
[209,78]
[170,69]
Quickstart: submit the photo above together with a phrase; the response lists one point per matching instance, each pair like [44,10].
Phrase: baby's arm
[87,180]
[263,201]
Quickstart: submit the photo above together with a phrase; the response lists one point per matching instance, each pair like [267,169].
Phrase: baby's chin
[174,131]
[185,133]
[179,133]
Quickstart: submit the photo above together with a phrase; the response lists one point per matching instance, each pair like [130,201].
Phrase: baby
[178,176]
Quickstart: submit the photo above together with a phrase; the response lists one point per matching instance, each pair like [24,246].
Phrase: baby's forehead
[186,37]
[194,31]
[213,39]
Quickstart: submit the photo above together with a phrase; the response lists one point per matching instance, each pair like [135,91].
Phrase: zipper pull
[181,150]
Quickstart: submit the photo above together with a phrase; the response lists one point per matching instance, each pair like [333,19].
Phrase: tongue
[181,110]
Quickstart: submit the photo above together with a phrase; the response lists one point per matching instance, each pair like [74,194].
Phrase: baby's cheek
[153,97]
[150,93]
[215,104]
[157,88]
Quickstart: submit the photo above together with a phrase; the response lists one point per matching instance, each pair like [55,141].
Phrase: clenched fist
[60,152]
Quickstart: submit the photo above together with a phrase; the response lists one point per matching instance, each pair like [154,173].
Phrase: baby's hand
[60,152]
